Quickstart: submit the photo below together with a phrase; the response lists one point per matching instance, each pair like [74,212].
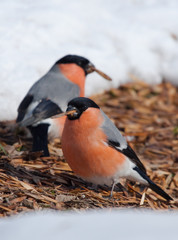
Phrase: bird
[96,151]
[50,94]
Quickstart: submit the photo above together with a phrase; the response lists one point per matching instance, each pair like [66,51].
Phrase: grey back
[113,132]
[56,87]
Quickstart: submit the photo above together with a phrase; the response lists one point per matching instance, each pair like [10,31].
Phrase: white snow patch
[120,37]
[106,224]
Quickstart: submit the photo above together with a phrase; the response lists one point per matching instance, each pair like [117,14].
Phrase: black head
[80,61]
[80,104]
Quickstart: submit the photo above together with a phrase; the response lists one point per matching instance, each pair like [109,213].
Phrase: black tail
[160,191]
[40,138]
[153,186]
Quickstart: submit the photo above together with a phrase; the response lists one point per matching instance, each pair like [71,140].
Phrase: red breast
[85,149]
[75,74]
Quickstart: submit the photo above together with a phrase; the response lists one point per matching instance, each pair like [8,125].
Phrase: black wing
[45,109]
[129,153]
[23,107]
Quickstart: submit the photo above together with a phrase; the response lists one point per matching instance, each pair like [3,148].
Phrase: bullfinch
[96,151]
[50,94]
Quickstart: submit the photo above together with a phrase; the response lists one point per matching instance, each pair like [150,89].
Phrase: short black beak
[70,110]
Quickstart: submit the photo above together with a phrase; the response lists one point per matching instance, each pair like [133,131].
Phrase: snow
[106,224]
[138,37]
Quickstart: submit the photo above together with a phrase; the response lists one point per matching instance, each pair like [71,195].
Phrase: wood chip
[146,114]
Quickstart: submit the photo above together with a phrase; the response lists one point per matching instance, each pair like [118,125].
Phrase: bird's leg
[112,189]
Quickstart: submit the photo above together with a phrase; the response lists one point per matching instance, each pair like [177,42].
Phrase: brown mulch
[146,115]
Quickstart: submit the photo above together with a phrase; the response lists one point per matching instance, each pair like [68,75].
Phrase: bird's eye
[75,114]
